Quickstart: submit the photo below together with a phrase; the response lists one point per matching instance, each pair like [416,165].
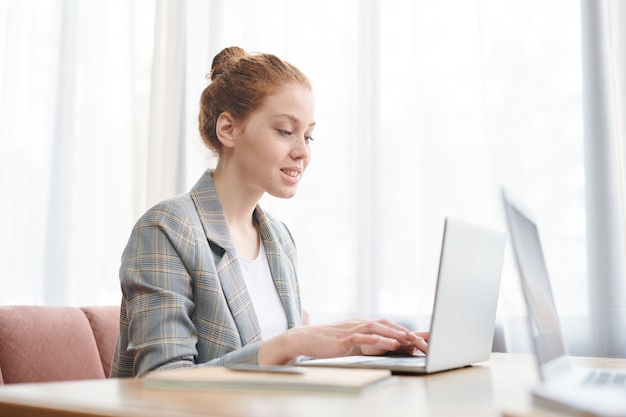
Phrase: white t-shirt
[269,309]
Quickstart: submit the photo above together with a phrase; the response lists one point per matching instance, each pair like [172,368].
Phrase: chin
[286,194]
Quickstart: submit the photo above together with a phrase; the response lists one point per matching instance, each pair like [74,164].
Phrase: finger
[356,339]
[421,344]
[423,335]
[412,337]
[381,347]
[382,329]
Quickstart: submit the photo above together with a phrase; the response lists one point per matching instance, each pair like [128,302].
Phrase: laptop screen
[543,318]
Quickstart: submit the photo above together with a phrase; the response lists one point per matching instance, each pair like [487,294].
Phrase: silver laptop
[464,312]
[562,385]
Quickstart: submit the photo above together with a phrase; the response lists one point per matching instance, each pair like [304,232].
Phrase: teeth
[291,173]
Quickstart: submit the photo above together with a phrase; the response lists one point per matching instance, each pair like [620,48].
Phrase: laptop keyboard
[397,360]
[606,377]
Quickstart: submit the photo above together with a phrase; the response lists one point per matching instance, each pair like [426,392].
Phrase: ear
[225,129]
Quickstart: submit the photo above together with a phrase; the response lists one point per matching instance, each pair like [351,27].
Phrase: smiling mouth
[291,173]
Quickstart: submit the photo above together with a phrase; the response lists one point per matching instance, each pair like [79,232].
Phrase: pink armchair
[50,343]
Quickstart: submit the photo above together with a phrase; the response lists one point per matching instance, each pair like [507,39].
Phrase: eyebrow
[292,118]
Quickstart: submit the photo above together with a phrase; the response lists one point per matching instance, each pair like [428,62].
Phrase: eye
[284,133]
[308,139]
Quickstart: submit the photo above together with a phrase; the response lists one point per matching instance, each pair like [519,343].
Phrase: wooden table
[498,387]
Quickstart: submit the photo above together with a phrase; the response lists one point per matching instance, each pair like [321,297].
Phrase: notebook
[601,392]
[464,311]
[272,378]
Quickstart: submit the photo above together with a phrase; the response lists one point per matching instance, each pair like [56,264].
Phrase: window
[424,110]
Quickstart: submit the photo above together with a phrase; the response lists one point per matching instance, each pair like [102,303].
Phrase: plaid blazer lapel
[211,215]
[281,268]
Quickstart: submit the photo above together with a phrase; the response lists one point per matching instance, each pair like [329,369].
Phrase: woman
[208,277]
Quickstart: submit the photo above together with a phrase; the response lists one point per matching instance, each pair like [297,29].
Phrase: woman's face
[272,146]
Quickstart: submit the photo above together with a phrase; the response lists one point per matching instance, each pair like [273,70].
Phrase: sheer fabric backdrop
[72,125]
[603,110]
[424,109]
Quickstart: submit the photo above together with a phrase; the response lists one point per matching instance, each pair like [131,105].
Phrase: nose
[301,149]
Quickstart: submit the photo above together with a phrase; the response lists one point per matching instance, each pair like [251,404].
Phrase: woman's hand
[420,345]
[352,337]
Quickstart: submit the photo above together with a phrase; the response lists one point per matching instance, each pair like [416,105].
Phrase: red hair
[239,84]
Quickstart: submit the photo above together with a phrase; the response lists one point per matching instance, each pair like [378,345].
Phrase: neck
[237,200]
[239,203]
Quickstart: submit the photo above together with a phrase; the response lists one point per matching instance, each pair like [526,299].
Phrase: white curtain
[72,94]
[166,132]
[604,98]
[424,109]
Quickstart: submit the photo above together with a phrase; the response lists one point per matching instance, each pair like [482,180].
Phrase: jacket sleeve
[158,294]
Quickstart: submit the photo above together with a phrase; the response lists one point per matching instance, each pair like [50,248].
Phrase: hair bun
[227,57]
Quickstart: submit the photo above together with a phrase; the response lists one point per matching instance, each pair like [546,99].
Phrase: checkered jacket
[184,298]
